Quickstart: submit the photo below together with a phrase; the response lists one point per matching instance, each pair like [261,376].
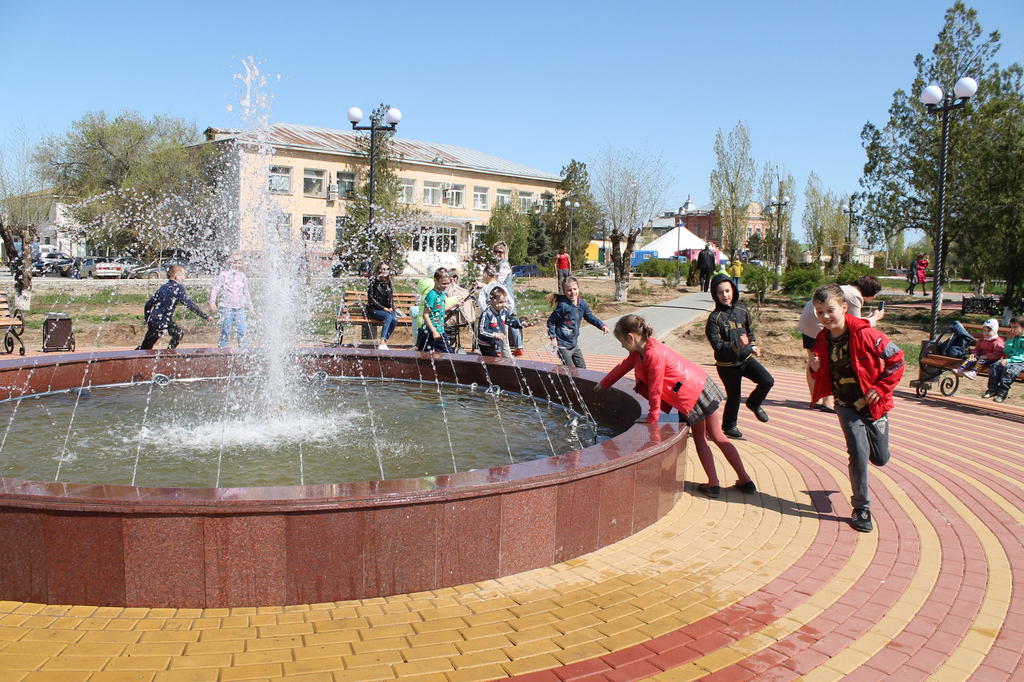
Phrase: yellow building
[312,172]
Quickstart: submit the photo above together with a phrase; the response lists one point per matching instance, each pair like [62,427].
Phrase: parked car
[53,262]
[108,267]
[156,269]
[530,270]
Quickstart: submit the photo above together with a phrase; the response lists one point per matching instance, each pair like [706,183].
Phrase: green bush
[802,281]
[851,272]
[757,280]
[661,267]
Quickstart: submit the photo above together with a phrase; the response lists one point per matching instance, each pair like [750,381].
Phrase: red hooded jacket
[658,372]
[877,363]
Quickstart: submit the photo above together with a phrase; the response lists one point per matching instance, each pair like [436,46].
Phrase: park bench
[941,368]
[352,311]
[984,305]
[13,325]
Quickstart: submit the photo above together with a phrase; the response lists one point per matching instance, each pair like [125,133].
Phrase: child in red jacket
[669,380]
[860,366]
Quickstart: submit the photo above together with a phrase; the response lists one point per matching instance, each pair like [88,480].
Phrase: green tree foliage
[824,222]
[732,185]
[984,186]
[539,248]
[575,187]
[135,179]
[775,183]
[509,224]
[803,281]
[23,204]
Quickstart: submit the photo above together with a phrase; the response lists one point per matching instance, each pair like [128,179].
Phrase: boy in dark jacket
[728,330]
[566,320]
[159,310]
[860,366]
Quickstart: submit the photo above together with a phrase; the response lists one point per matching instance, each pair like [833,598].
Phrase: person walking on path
[728,330]
[563,266]
[706,265]
[669,380]
[922,273]
[231,298]
[159,310]
[860,367]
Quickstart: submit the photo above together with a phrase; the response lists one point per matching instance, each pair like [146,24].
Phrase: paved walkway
[663,317]
[768,586]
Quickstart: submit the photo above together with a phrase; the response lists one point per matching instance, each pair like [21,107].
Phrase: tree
[775,184]
[23,204]
[732,185]
[824,222]
[629,187]
[136,181]
[901,172]
[575,186]
[510,225]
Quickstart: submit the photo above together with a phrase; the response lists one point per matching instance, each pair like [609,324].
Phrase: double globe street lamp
[943,104]
[850,211]
[778,204]
[392,116]
[571,207]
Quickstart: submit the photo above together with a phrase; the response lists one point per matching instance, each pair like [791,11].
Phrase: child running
[987,351]
[728,330]
[860,366]
[495,323]
[159,310]
[669,380]
[565,322]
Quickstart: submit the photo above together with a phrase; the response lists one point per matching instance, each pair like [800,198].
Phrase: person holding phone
[863,291]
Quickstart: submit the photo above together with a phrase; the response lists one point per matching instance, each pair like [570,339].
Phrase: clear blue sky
[538,83]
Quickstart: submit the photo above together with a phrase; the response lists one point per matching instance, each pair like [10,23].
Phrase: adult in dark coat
[706,265]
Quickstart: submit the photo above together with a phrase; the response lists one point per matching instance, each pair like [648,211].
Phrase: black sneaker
[748,488]
[861,520]
[733,432]
[759,413]
[710,490]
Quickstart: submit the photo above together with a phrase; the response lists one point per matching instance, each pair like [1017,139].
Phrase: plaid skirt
[708,401]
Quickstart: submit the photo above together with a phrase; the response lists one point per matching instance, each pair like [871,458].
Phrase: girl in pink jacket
[669,380]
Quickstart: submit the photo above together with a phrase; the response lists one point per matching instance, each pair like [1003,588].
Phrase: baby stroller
[954,343]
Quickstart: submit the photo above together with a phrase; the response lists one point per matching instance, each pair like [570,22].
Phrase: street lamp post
[850,211]
[571,207]
[778,204]
[943,104]
[680,221]
[392,116]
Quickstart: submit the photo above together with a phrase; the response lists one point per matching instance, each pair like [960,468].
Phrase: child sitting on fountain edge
[159,310]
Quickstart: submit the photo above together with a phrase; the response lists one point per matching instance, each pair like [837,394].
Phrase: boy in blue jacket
[565,322]
[159,310]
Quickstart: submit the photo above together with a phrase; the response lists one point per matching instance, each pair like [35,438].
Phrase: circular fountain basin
[121,545]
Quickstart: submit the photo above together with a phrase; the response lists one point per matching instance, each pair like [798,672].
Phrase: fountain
[299,530]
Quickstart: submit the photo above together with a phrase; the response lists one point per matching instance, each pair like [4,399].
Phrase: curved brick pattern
[771,586]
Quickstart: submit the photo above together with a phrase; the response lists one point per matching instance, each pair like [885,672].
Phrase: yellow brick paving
[702,557]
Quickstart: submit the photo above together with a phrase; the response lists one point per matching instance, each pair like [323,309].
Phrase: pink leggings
[712,426]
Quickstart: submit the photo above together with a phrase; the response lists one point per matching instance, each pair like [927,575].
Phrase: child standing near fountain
[232,287]
[159,310]
[495,324]
[431,335]
[566,320]
[669,380]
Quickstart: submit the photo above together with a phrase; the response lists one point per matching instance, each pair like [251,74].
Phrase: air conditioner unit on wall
[332,193]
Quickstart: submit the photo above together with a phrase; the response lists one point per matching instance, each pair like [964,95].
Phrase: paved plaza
[770,586]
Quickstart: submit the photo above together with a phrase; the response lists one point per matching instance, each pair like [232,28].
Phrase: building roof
[329,140]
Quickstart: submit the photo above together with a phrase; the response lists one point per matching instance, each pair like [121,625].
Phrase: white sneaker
[383,346]
[971,374]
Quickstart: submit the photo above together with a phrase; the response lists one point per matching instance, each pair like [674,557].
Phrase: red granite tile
[245,559]
[615,520]
[647,487]
[325,556]
[617,659]
[579,504]
[638,670]
[164,561]
[806,661]
[582,669]
[674,657]
[469,540]
[528,521]
[23,568]
[401,557]
[1004,659]
[672,470]
[732,673]
[84,559]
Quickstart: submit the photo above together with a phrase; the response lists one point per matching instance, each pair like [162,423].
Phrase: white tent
[676,238]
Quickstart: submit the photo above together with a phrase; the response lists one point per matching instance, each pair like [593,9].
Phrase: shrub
[802,281]
[661,267]
[851,272]
[757,280]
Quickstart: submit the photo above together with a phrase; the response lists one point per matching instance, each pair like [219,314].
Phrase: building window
[436,240]
[282,221]
[313,183]
[455,195]
[480,202]
[431,193]
[280,180]
[547,202]
[341,225]
[346,185]
[503,197]
[406,191]
[313,228]
[526,201]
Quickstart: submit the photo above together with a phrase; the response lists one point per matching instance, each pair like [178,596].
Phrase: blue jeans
[388,322]
[1000,377]
[232,317]
[867,440]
